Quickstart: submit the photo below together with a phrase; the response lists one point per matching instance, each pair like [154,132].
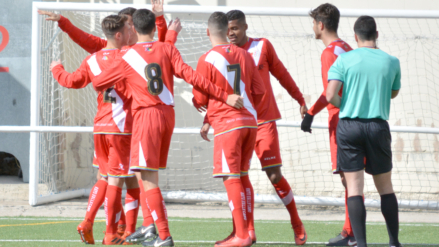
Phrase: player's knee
[131,183]
[343,181]
[274,175]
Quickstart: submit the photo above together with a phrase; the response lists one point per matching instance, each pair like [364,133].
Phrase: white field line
[227,221]
[185,241]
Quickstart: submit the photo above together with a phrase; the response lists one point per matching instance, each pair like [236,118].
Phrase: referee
[370,78]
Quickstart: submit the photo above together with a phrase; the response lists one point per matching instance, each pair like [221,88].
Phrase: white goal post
[61,146]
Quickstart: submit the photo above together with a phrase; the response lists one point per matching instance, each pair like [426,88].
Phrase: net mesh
[65,159]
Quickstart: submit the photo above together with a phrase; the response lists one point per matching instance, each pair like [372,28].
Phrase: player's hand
[51,16]
[200,108]
[235,100]
[175,25]
[204,131]
[303,110]
[54,63]
[157,7]
[307,122]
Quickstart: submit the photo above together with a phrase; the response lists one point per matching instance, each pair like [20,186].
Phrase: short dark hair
[365,28]
[235,15]
[113,24]
[144,21]
[127,11]
[218,23]
[328,14]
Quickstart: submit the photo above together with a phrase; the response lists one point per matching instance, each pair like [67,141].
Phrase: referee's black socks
[357,214]
[389,208]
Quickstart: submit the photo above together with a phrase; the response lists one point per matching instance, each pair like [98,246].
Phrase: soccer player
[232,69]
[325,24]
[93,44]
[112,128]
[148,68]
[267,140]
[370,78]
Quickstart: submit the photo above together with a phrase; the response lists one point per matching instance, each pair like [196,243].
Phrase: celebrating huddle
[133,75]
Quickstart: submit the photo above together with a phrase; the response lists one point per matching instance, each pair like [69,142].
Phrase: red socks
[113,208]
[132,208]
[95,200]
[250,201]
[157,208]
[285,193]
[147,218]
[237,203]
[122,221]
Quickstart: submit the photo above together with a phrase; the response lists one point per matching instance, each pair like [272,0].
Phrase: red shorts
[233,151]
[332,124]
[102,168]
[267,145]
[113,154]
[152,132]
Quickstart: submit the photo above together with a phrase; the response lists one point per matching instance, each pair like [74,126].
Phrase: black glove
[307,122]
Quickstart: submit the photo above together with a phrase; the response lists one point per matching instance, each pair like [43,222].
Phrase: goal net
[61,162]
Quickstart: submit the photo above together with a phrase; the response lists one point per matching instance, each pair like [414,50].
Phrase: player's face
[236,33]
[316,29]
[133,36]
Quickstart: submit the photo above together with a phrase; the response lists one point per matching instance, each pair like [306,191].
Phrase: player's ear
[321,26]
[377,35]
[246,26]
[207,32]
[356,37]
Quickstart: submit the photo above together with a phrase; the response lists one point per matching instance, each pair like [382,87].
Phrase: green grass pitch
[34,231]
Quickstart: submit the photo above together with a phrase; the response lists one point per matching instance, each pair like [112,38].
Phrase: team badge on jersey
[148,47]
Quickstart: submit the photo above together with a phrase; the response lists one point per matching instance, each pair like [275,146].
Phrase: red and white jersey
[328,57]
[149,69]
[114,104]
[266,60]
[233,70]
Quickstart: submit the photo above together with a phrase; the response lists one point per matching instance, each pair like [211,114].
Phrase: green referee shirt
[368,76]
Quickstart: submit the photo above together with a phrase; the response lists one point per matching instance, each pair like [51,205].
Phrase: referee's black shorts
[358,139]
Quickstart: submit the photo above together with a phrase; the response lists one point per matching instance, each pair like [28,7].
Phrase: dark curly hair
[328,14]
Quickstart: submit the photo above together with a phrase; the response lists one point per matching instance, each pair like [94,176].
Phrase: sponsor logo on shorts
[270,158]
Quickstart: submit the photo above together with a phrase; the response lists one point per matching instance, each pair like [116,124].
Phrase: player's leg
[246,155]
[351,150]
[268,151]
[138,163]
[131,204]
[156,140]
[118,168]
[227,165]
[97,193]
[379,164]
[346,237]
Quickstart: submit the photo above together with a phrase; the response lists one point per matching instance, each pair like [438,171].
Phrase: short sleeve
[397,82]
[336,72]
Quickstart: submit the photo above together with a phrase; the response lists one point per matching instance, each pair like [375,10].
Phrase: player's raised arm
[88,42]
[77,79]
[160,22]
[173,31]
[184,71]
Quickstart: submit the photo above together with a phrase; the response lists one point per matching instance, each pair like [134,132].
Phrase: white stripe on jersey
[220,63]
[119,115]
[138,64]
[94,66]
[255,50]
[338,50]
